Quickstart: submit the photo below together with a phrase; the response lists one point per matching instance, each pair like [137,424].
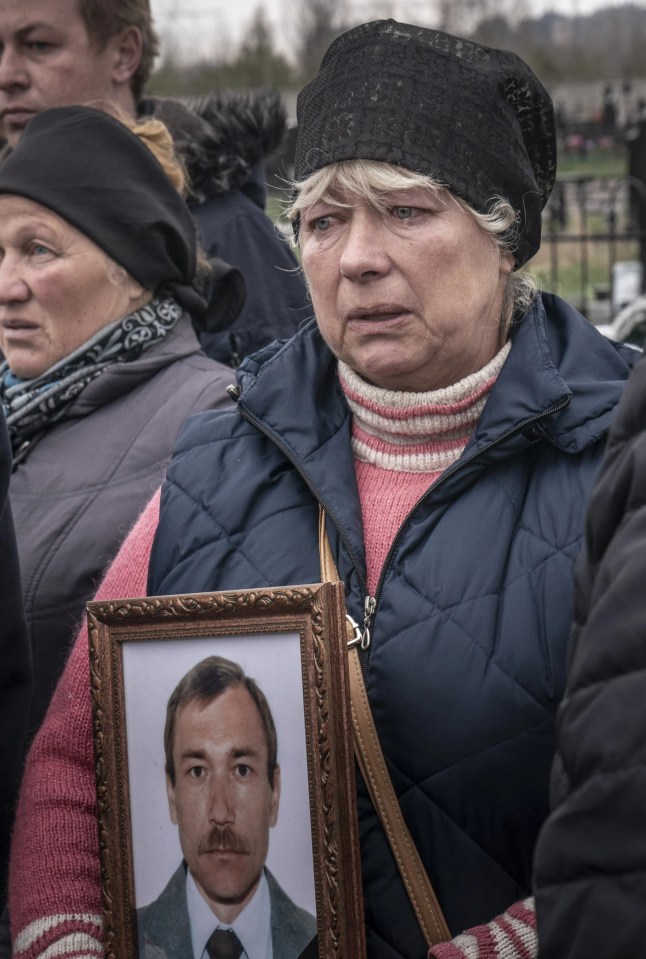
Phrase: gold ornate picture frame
[292,642]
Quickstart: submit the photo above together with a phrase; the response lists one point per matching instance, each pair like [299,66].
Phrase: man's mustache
[222,839]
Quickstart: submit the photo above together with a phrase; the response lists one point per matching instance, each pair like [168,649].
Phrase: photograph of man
[223,786]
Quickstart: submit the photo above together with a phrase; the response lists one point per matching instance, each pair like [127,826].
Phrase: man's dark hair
[204,683]
[105,18]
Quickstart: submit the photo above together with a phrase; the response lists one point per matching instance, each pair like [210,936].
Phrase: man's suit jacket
[164,929]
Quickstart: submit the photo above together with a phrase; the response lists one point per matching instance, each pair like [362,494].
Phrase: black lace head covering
[95,173]
[475,118]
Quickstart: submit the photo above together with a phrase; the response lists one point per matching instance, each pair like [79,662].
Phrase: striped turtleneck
[402,442]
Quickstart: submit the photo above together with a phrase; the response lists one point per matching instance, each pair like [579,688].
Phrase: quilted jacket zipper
[370,603]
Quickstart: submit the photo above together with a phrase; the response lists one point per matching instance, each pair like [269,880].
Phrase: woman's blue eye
[403,212]
[322,223]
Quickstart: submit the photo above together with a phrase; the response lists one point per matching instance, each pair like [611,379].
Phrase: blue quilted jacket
[474,605]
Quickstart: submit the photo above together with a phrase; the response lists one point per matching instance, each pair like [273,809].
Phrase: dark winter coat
[591,855]
[15,664]
[224,141]
[474,604]
[80,488]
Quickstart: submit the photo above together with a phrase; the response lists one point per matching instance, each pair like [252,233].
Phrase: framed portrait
[225,775]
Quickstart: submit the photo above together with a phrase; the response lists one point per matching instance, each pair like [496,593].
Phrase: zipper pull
[234,392]
[369,606]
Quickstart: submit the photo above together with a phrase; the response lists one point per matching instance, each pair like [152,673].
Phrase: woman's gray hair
[372,181]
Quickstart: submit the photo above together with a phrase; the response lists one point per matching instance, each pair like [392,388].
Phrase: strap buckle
[357,635]
[360,637]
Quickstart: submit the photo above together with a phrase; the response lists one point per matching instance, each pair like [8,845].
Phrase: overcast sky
[201,27]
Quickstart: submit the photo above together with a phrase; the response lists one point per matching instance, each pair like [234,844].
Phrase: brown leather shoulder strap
[371,762]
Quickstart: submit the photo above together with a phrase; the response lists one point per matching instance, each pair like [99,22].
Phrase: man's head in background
[59,52]
[223,780]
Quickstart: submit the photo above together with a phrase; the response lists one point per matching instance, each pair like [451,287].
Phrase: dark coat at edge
[591,855]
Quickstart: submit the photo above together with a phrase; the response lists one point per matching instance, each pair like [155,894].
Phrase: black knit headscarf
[97,175]
[474,118]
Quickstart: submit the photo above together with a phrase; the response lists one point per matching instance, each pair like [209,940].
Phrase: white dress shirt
[252,926]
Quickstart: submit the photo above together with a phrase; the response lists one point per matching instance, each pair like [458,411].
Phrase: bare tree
[317,24]
[258,63]
[465,17]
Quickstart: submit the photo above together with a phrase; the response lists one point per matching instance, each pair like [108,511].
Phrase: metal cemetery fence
[589,225]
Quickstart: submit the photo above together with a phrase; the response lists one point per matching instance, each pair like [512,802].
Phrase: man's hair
[204,683]
[105,18]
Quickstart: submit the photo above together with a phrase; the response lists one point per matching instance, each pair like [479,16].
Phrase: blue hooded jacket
[474,604]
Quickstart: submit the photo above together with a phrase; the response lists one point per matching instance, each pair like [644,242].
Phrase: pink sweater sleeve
[54,877]
[512,935]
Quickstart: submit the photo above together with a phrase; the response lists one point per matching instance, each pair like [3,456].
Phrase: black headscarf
[475,118]
[97,175]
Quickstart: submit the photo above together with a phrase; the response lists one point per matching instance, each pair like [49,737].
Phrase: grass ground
[609,162]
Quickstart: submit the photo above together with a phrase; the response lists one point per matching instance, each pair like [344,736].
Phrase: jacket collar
[560,363]
[561,382]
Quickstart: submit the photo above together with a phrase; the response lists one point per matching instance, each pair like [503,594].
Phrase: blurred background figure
[99,280]
[608,112]
[223,141]
[102,54]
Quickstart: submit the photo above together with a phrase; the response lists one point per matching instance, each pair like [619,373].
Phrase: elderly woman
[449,421]
[97,283]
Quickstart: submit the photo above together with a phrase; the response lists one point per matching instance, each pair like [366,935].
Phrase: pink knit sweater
[54,883]
[402,442]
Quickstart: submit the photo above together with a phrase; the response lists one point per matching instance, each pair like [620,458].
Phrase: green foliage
[242,73]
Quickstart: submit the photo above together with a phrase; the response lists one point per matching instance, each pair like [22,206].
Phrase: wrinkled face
[222,800]
[57,288]
[411,298]
[47,60]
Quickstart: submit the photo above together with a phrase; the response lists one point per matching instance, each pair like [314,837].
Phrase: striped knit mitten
[511,935]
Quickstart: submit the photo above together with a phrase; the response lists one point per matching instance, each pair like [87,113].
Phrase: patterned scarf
[32,406]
